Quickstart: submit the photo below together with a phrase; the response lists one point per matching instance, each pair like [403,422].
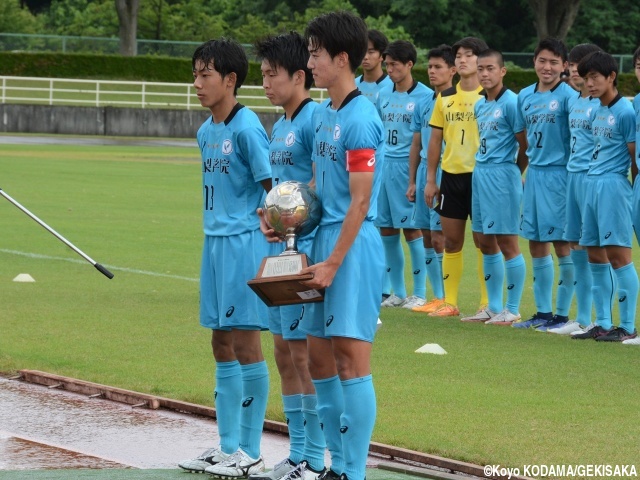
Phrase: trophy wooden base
[277,282]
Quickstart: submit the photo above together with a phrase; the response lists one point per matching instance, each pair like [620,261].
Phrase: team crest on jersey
[336,133]
[611,120]
[497,113]
[553,105]
[290,140]
[411,106]
[227,147]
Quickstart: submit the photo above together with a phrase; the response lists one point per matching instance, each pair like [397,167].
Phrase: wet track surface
[47,428]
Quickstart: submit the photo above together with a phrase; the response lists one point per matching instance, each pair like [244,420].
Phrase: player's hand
[323,274]
[269,233]
[411,192]
[431,193]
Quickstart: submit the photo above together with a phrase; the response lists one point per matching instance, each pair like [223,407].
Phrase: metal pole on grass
[99,267]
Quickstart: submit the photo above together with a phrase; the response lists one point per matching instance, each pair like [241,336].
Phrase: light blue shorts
[226,301]
[423,217]
[286,320]
[575,205]
[607,211]
[635,213]
[496,196]
[543,204]
[352,302]
[394,209]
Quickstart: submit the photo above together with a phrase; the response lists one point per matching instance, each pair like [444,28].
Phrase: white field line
[110,267]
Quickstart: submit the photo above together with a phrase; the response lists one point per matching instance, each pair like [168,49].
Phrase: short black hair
[378,39]
[636,56]
[402,51]
[476,45]
[289,51]
[339,32]
[492,52]
[444,52]
[226,56]
[580,51]
[555,46]
[599,62]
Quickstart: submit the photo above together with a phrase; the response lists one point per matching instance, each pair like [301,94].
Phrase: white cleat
[412,302]
[505,317]
[586,329]
[280,471]
[206,459]
[567,329]
[303,472]
[236,465]
[482,315]
[392,301]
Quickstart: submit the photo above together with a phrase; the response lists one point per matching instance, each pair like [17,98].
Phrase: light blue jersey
[581,114]
[370,89]
[354,126]
[545,117]
[397,110]
[636,107]
[290,150]
[497,128]
[580,118]
[613,127]
[424,217]
[235,158]
[291,145]
[420,122]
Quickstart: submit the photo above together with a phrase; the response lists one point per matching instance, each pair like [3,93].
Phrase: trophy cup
[292,209]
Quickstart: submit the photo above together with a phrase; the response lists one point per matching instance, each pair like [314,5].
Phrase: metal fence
[11,42]
[100,93]
[17,42]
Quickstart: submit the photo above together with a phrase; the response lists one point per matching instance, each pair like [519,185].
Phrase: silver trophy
[293,210]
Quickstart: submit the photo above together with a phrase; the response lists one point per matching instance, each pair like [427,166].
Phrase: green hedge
[104,67]
[178,70]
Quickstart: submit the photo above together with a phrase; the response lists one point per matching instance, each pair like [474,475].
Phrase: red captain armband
[363,160]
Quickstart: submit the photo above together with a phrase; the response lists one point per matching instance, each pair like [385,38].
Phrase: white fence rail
[100,93]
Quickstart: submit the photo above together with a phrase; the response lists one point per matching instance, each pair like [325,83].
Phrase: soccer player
[606,227]
[634,170]
[441,69]
[397,106]
[235,175]
[287,80]
[453,121]
[373,77]
[580,115]
[543,111]
[369,83]
[497,190]
[348,154]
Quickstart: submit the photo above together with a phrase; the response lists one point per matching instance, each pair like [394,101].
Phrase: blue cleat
[557,321]
[534,322]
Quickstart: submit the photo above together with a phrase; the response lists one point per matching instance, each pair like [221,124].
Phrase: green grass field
[500,396]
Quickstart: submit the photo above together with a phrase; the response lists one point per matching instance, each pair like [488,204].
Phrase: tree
[128,19]
[81,18]
[16,19]
[191,21]
[507,25]
[553,18]
[600,22]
